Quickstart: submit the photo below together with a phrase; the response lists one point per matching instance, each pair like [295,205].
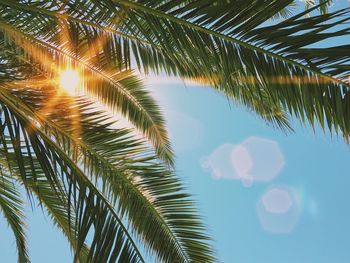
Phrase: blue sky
[314,177]
[291,206]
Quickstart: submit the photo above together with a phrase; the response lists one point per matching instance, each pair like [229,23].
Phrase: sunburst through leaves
[69,81]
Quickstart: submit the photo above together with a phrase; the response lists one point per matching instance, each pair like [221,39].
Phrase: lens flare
[69,81]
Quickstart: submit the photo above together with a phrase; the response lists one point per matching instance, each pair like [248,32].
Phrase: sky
[264,195]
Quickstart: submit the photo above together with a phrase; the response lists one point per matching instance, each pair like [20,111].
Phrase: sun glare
[69,81]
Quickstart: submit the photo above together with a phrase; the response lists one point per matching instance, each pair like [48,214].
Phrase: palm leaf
[237,60]
[12,207]
[117,88]
[89,204]
[147,194]
[235,54]
[48,196]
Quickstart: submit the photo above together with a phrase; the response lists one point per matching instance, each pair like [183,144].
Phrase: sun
[69,81]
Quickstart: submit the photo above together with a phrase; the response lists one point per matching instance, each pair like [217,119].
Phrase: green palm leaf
[235,53]
[48,195]
[12,207]
[91,207]
[237,61]
[119,89]
[147,194]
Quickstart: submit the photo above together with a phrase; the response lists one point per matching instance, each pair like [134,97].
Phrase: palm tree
[109,192]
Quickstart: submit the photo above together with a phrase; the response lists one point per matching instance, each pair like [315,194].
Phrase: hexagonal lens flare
[278,210]
[254,160]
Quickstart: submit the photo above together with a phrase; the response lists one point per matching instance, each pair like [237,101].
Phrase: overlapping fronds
[48,195]
[94,54]
[91,208]
[239,56]
[109,180]
[231,45]
[107,165]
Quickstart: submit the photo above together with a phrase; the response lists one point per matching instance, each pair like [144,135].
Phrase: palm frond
[92,209]
[118,88]
[308,83]
[49,197]
[12,207]
[145,192]
[237,54]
